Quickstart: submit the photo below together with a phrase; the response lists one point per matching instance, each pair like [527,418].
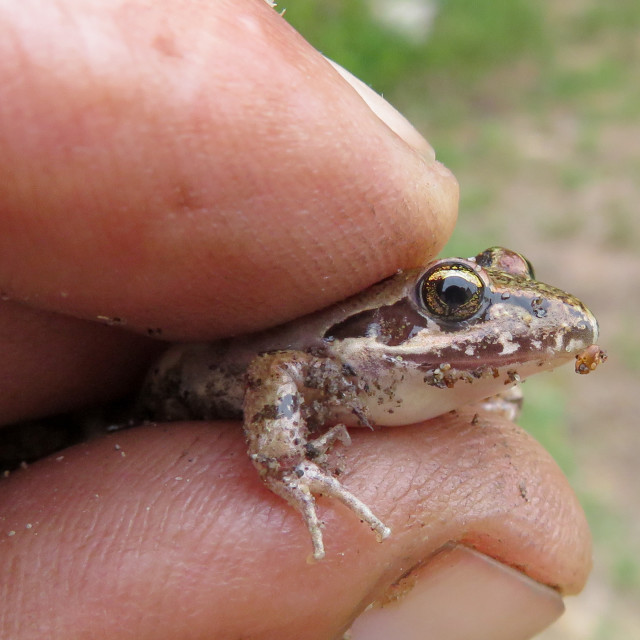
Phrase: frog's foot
[319,446]
[307,478]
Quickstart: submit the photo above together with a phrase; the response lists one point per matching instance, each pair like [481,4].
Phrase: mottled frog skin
[410,348]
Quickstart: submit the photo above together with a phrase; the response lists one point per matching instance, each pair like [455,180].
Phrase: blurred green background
[535,106]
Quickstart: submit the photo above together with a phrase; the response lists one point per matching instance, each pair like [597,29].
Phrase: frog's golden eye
[452,291]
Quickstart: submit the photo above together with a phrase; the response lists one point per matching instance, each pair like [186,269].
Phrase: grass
[350,34]
[610,527]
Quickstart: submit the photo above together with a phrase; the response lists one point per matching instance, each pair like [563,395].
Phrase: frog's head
[490,310]
[466,326]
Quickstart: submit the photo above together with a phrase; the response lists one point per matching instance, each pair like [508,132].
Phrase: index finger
[197,169]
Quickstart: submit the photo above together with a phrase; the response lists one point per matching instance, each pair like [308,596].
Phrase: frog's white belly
[406,395]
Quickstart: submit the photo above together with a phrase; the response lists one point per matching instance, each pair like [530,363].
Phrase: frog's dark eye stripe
[451,291]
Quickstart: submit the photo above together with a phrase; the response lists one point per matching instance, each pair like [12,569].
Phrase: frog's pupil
[455,290]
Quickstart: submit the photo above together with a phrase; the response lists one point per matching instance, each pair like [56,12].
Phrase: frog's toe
[298,487]
[319,446]
[300,498]
[319,482]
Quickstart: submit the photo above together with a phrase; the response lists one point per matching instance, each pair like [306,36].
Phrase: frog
[419,344]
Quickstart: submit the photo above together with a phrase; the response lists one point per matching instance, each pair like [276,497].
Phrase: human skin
[196,169]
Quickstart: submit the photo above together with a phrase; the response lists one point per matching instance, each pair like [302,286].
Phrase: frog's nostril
[581,333]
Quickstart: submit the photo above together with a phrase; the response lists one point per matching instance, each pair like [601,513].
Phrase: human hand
[199,169]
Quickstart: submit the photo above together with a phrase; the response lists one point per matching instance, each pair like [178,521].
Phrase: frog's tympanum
[411,347]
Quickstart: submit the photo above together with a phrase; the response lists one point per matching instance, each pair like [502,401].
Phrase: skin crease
[54,357]
[182,166]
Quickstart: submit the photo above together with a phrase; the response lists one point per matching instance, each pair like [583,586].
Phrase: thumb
[461,593]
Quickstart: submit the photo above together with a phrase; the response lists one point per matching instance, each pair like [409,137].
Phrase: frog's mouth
[546,345]
[501,351]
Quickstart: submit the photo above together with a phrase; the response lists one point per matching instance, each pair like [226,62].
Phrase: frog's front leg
[278,435]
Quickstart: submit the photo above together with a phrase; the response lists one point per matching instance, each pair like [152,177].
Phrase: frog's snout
[583,333]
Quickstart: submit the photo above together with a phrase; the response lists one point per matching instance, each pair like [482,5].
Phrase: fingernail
[462,594]
[388,114]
